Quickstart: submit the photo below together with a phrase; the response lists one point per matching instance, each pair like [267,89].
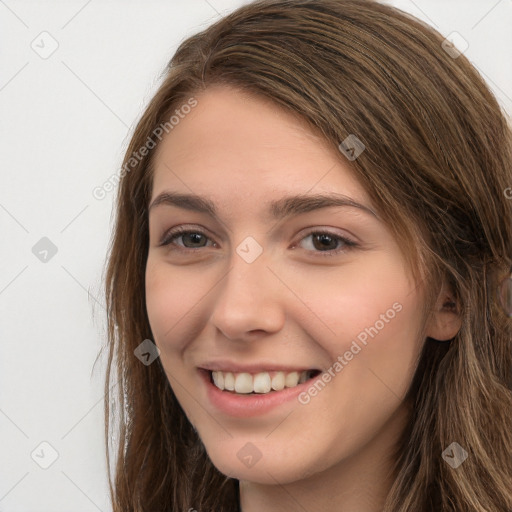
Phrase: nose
[249,300]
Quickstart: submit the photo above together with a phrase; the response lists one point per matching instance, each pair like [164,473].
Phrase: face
[258,291]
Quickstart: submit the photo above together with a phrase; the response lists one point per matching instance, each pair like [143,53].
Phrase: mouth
[261,383]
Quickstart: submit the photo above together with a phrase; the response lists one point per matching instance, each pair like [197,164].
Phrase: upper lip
[230,366]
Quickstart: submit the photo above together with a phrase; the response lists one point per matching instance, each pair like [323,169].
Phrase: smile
[260,383]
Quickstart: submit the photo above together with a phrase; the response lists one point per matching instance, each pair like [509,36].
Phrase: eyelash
[171,235]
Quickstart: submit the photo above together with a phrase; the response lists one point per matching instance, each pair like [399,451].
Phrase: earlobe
[446,320]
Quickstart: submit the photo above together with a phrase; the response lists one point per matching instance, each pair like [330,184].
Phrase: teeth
[278,381]
[243,383]
[291,379]
[262,383]
[218,379]
[304,377]
[229,381]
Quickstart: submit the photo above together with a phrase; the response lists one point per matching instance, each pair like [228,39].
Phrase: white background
[65,123]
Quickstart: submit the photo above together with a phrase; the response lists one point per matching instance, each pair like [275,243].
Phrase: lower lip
[249,405]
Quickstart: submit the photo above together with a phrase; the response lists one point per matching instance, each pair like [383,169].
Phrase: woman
[311,231]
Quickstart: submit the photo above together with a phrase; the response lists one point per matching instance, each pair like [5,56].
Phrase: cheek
[171,299]
[159,299]
[379,345]
[370,294]
[370,317]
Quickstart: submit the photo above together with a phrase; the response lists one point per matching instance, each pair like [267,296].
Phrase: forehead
[238,146]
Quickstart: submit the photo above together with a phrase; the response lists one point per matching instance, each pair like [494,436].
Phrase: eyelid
[316,228]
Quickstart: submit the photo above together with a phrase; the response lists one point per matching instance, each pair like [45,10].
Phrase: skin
[290,305]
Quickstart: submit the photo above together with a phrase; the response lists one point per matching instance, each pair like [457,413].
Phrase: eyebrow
[278,209]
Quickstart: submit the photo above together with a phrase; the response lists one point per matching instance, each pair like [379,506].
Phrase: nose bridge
[247,281]
[248,269]
[248,297]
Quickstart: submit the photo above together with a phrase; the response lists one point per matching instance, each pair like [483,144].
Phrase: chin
[269,469]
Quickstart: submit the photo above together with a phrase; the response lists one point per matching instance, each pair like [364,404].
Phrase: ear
[446,320]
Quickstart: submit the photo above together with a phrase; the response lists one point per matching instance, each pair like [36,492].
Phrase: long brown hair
[438,159]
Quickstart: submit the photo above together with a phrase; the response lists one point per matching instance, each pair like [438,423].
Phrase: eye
[323,242]
[187,235]
[327,244]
